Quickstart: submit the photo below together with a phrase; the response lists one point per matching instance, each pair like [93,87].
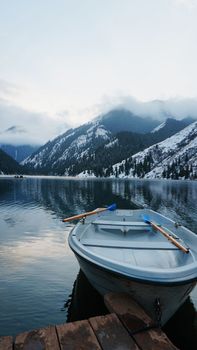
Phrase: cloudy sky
[63,62]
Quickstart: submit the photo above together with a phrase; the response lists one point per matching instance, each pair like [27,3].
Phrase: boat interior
[125,237]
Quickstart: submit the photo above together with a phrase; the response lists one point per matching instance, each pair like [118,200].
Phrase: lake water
[37,268]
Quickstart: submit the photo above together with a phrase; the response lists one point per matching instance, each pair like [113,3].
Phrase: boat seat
[128,244]
[120,223]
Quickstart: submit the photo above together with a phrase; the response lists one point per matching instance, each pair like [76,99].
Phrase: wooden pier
[127,327]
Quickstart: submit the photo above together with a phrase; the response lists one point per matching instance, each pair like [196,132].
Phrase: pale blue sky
[73,59]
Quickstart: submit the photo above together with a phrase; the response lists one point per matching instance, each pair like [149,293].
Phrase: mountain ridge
[174,158]
[95,147]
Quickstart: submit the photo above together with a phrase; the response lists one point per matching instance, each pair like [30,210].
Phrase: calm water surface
[37,268]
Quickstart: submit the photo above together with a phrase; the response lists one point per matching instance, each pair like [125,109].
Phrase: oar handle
[173,240]
[83,215]
[96,211]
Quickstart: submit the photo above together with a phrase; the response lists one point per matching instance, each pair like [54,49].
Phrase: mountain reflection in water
[37,267]
[85,302]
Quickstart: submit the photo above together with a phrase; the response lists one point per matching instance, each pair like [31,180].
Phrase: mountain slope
[124,144]
[58,156]
[170,127]
[94,147]
[18,153]
[175,157]
[124,120]
[8,165]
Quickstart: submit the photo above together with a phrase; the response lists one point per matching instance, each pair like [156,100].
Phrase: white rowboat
[123,251]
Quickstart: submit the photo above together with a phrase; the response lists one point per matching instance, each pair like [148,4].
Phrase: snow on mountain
[59,155]
[175,157]
[171,126]
[159,127]
[86,174]
[111,143]
[95,146]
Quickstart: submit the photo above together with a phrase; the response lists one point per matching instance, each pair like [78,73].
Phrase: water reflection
[175,199]
[37,268]
[60,196]
[182,327]
[85,302]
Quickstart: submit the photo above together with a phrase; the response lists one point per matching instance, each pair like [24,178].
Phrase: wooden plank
[111,333]
[155,339]
[6,343]
[42,339]
[135,318]
[77,335]
[122,303]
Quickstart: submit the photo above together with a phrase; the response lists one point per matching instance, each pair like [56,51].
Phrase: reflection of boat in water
[85,301]
[122,251]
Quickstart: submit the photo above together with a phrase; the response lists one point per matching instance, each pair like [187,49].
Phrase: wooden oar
[160,229]
[96,211]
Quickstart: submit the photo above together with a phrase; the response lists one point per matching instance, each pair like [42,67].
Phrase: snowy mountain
[76,145]
[75,150]
[175,157]
[171,126]
[93,148]
[124,120]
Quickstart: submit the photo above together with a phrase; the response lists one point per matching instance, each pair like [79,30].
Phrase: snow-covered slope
[59,155]
[171,126]
[95,146]
[159,127]
[175,157]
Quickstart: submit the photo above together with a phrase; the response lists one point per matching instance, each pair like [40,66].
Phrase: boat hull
[170,297]
[120,252]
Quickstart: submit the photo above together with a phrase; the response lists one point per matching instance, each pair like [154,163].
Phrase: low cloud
[188,3]
[19,126]
[15,129]
[178,108]
[7,89]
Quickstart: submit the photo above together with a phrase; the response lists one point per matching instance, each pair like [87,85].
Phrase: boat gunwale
[177,275]
[148,279]
[134,278]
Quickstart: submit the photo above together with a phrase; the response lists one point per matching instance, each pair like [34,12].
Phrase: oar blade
[146,219]
[112,207]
